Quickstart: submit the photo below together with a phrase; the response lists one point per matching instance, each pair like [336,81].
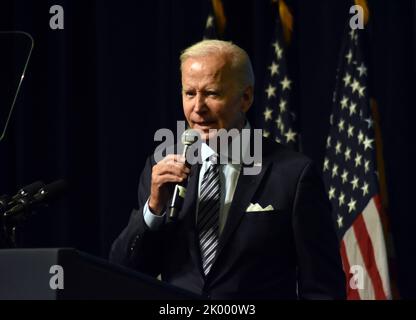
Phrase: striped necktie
[208,214]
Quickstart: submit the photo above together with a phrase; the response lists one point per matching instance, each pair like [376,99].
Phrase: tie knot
[213,159]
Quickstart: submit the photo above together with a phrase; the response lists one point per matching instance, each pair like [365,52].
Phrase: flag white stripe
[375,231]
[355,259]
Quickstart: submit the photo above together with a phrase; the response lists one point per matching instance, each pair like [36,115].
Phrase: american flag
[279,118]
[352,181]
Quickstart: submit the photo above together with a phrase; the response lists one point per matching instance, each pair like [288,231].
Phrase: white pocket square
[258,208]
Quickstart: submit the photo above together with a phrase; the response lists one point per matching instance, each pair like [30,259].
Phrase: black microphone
[188,138]
[7,202]
[28,190]
[44,195]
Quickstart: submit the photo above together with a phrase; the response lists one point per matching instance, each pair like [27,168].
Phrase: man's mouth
[204,125]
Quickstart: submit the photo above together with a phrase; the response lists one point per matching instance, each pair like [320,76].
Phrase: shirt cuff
[153,221]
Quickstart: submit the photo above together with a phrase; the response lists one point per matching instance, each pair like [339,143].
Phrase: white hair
[239,60]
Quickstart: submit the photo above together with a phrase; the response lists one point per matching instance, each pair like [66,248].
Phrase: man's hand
[165,173]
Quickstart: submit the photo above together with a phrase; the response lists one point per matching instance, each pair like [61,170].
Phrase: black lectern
[33,274]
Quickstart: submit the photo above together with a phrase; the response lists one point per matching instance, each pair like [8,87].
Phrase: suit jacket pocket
[266,213]
[261,231]
[266,220]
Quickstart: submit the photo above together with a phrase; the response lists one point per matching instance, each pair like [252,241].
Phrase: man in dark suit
[237,236]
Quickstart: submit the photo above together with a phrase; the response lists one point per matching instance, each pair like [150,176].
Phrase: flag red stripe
[352,294]
[367,252]
[377,201]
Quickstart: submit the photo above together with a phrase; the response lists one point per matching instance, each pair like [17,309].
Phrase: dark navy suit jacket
[289,253]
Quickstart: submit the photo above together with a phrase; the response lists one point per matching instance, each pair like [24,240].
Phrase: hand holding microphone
[171,170]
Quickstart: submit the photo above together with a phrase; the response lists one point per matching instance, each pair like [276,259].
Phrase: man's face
[211,96]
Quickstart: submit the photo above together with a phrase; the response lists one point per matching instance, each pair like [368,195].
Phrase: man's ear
[247,98]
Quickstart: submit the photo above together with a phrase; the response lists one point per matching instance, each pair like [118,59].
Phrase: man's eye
[213,93]
[189,93]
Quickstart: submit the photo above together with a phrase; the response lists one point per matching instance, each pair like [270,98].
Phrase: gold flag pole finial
[286,19]
[363,4]
[221,21]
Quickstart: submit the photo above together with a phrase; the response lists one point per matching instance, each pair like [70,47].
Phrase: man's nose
[200,105]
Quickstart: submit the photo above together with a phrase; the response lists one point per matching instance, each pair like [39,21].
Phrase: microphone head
[189,137]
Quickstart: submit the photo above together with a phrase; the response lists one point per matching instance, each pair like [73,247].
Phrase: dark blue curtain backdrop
[96,92]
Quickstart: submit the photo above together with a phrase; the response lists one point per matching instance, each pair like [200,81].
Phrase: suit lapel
[244,192]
